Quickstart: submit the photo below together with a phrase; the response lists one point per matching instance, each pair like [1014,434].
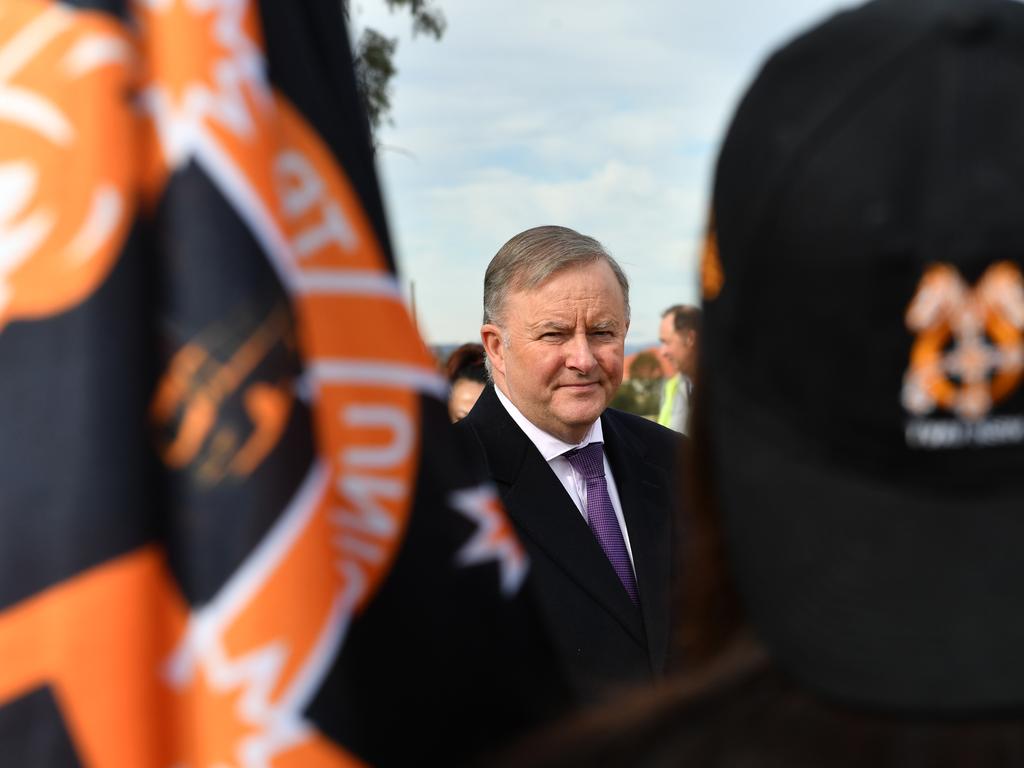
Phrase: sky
[600,115]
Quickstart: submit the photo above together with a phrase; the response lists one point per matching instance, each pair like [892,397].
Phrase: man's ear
[493,340]
[691,338]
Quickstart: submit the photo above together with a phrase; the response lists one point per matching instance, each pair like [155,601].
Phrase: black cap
[863,357]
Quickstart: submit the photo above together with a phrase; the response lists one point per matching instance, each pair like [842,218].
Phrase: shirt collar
[550,447]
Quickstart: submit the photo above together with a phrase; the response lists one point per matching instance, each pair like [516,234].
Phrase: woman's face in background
[463,396]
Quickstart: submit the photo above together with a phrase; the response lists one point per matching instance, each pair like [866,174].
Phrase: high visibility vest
[668,395]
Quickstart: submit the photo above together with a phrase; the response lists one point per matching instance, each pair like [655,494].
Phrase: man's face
[678,347]
[558,354]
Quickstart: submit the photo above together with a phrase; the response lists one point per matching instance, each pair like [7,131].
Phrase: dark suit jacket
[603,638]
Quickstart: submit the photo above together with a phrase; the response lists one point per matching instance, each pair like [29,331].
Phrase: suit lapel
[543,511]
[646,502]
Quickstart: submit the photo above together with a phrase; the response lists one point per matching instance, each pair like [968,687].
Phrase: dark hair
[466,362]
[685,317]
[744,711]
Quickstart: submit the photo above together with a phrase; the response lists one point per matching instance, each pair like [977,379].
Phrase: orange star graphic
[208,724]
[204,85]
[494,539]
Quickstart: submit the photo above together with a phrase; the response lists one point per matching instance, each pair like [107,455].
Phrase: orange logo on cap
[969,352]
[66,159]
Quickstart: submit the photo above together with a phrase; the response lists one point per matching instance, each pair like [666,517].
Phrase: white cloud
[604,117]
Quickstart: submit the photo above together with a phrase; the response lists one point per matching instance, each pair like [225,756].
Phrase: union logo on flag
[220,424]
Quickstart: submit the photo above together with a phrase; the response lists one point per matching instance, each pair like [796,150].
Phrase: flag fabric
[234,527]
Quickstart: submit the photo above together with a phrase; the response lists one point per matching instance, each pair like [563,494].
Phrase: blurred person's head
[678,335]
[862,359]
[467,378]
[556,312]
[857,478]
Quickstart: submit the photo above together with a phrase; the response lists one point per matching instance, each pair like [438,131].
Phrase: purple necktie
[589,462]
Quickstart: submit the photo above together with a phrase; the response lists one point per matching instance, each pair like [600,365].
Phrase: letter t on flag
[234,530]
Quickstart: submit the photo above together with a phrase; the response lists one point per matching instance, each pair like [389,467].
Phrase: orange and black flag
[234,530]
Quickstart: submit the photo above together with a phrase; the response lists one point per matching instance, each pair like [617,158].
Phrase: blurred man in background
[678,333]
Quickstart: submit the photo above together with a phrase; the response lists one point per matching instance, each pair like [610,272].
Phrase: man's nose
[579,355]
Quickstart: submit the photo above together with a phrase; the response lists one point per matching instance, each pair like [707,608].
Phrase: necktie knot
[588,460]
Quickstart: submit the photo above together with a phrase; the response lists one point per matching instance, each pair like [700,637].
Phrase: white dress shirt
[551,449]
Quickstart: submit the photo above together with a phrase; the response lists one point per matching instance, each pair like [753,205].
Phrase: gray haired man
[588,488]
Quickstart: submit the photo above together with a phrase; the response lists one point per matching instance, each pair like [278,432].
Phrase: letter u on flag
[234,529]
